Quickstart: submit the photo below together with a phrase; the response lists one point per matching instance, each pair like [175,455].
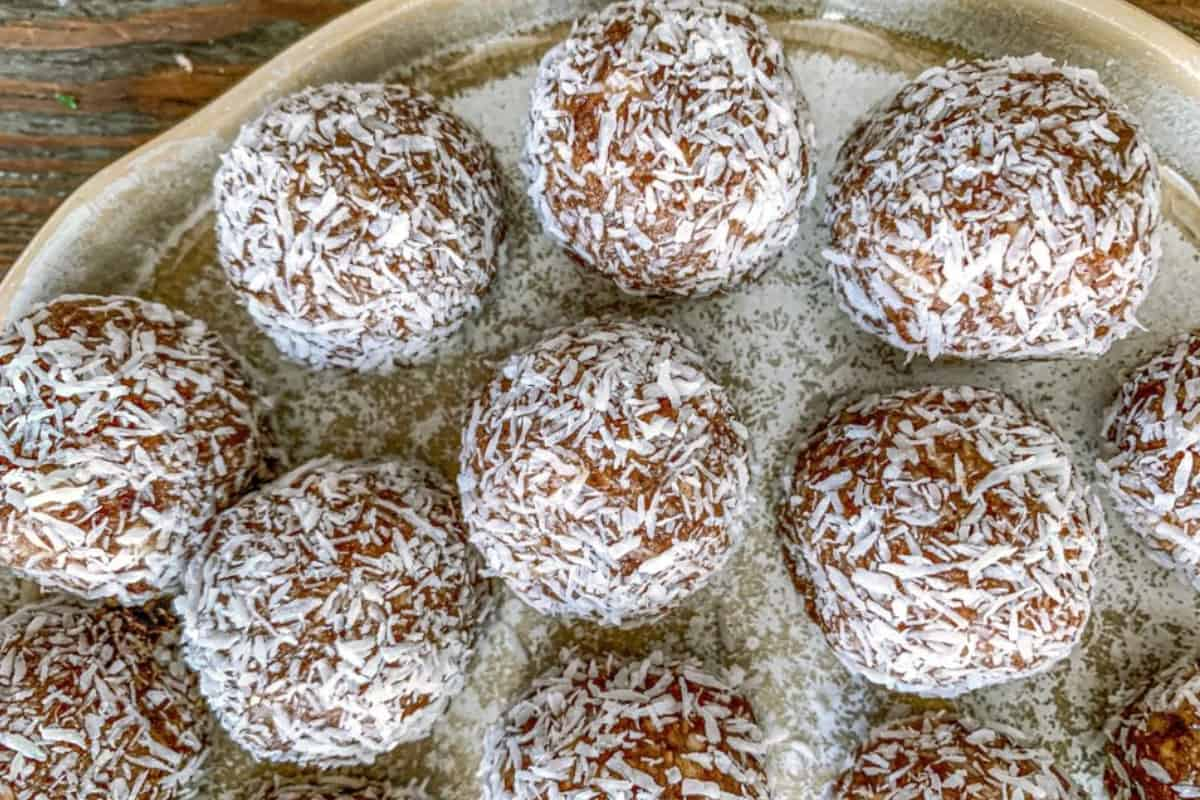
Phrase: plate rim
[245,97]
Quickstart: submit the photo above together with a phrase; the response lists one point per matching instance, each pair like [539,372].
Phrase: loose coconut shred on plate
[943,540]
[331,616]
[334,787]
[669,146]
[993,209]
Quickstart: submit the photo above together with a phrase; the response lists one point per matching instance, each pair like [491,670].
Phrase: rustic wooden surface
[83,81]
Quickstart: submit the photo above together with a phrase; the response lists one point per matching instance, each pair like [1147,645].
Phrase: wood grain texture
[84,81]
[1183,14]
[200,23]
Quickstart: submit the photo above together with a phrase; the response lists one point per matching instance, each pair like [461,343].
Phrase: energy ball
[940,757]
[124,426]
[996,209]
[336,787]
[604,475]
[942,540]
[93,705]
[359,224]
[669,147]
[1154,472]
[331,616]
[653,728]
[1154,744]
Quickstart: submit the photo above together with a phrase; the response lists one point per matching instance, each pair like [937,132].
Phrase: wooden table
[83,81]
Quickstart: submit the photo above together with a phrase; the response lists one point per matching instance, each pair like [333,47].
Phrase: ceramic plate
[144,226]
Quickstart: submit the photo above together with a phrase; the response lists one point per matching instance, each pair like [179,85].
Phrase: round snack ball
[337,787]
[1154,474]
[653,728]
[942,539]
[331,616]
[124,426]
[1154,743]
[940,757]
[359,224]
[94,703]
[669,146]
[996,209]
[604,475]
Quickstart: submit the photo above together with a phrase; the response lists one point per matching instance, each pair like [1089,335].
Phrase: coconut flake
[93,701]
[918,206]
[125,426]
[606,729]
[937,756]
[359,224]
[700,146]
[332,615]
[946,543]
[603,474]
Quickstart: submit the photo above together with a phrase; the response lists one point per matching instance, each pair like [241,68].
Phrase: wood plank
[1176,12]
[187,24]
[1183,14]
[52,165]
[123,141]
[130,69]
[30,205]
[166,93]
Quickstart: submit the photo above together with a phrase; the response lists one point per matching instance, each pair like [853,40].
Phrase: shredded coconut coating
[359,224]
[598,729]
[604,475]
[669,146]
[124,426]
[942,539]
[331,616]
[94,703]
[1154,744]
[996,209]
[336,787]
[1154,474]
[940,757]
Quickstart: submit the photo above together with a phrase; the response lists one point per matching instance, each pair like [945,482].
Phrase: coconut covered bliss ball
[331,616]
[1153,473]
[942,540]
[940,757]
[1154,743]
[124,426]
[359,224]
[652,728]
[604,475]
[669,146]
[996,209]
[94,703]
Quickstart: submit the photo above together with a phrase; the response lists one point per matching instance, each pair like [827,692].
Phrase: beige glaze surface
[144,226]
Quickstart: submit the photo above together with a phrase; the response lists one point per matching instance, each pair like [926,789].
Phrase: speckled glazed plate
[144,226]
